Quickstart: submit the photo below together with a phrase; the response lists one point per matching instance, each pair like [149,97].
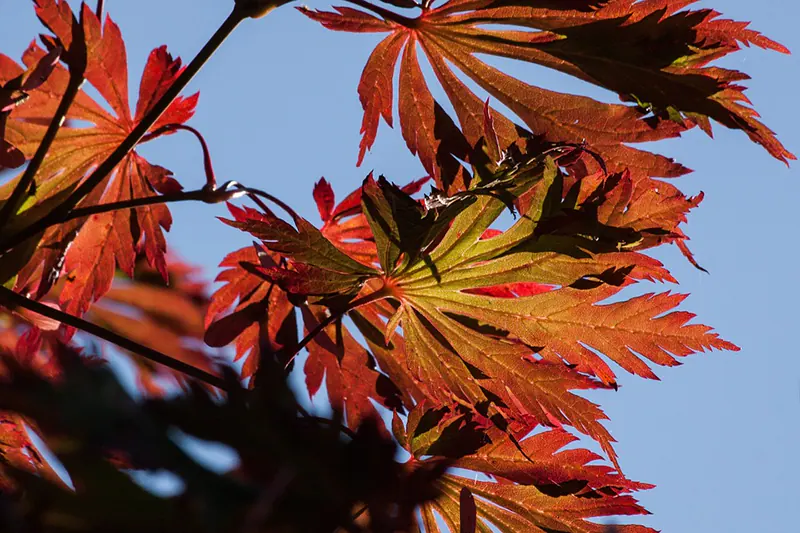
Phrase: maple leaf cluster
[474,338]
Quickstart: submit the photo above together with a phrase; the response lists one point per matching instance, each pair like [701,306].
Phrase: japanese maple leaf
[256,316]
[650,53]
[560,320]
[349,372]
[249,311]
[540,487]
[492,317]
[97,245]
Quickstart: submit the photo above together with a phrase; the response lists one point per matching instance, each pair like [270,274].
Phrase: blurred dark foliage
[297,473]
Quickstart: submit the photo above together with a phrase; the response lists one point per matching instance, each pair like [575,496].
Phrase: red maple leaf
[249,311]
[15,92]
[89,250]
[515,318]
[536,485]
[650,53]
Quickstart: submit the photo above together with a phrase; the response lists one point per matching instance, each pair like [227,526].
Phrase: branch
[59,213]
[311,334]
[205,195]
[97,209]
[326,421]
[17,300]
[99,10]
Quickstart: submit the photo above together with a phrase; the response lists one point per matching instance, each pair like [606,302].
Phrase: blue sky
[719,435]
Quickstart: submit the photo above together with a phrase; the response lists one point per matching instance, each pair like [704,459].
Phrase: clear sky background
[719,436]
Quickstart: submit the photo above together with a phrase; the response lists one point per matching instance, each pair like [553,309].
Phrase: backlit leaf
[249,311]
[103,242]
[511,319]
[547,489]
[650,53]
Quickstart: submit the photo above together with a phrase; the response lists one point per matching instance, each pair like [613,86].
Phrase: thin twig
[327,421]
[311,334]
[59,213]
[97,209]
[357,514]
[205,195]
[18,300]
[99,10]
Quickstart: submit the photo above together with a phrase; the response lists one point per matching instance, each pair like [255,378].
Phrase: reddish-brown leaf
[650,53]
[324,198]
[17,449]
[376,90]
[547,465]
[13,92]
[249,311]
[349,373]
[513,319]
[537,486]
[102,242]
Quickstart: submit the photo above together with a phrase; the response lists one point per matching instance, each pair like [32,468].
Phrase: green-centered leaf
[508,322]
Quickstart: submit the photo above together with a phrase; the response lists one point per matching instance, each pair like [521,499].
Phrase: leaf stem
[59,213]
[18,300]
[255,193]
[26,182]
[211,179]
